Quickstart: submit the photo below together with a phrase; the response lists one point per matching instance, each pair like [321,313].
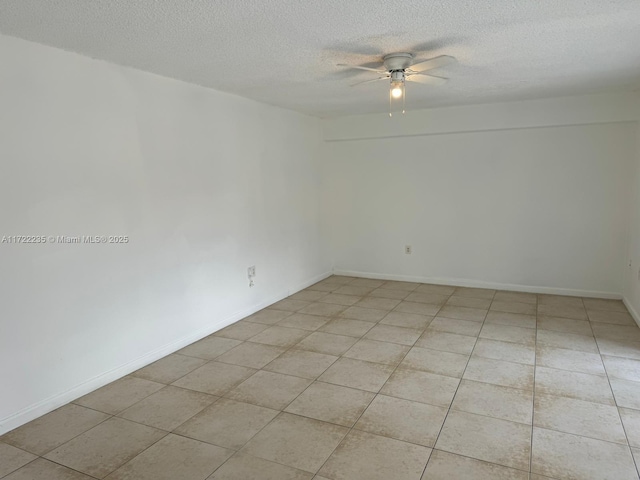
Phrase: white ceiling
[284,52]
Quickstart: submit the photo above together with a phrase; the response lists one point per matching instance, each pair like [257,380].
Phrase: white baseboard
[632,310]
[461,282]
[49,404]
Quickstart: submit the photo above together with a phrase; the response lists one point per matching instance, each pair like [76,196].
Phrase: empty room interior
[277,240]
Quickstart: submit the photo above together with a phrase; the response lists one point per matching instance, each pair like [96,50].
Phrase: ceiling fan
[399,68]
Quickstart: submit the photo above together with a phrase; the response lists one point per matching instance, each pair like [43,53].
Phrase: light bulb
[396,92]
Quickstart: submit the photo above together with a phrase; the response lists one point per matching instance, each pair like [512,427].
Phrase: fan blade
[362,68]
[426,79]
[432,63]
[372,80]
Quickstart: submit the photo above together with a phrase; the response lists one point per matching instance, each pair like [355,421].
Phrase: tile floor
[356,379]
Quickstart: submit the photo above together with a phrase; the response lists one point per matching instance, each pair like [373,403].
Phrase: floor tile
[389,333]
[604,304]
[209,347]
[560,300]
[591,388]
[271,390]
[106,447]
[418,308]
[116,396]
[280,336]
[268,317]
[511,319]
[475,292]
[446,342]
[422,387]
[227,423]
[569,341]
[631,422]
[508,333]
[377,352]
[289,305]
[457,301]
[434,361]
[296,441]
[328,343]
[168,408]
[430,298]
[170,368]
[348,327]
[42,469]
[615,318]
[627,333]
[367,282]
[364,314]
[378,303]
[587,419]
[301,363]
[513,307]
[565,456]
[448,466]
[627,394]
[619,348]
[463,313]
[520,297]
[303,321]
[572,360]
[252,355]
[53,429]
[404,420]
[308,295]
[432,288]
[407,320]
[354,290]
[174,457]
[484,438]
[622,368]
[386,293]
[252,468]
[242,330]
[452,325]
[215,378]
[12,458]
[567,325]
[498,372]
[331,403]
[338,299]
[357,374]
[403,286]
[364,456]
[495,401]
[507,351]
[323,309]
[578,313]
[323,287]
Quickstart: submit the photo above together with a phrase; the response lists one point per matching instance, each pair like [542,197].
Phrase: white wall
[525,195]
[204,184]
[632,277]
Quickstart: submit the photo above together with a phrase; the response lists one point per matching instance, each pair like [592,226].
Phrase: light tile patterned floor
[355,379]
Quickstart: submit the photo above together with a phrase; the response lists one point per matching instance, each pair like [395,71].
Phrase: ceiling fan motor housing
[397,61]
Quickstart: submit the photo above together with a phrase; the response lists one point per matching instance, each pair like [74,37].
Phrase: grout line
[624,429]
[533,397]
[457,388]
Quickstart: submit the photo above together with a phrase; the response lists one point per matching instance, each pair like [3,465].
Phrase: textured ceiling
[284,52]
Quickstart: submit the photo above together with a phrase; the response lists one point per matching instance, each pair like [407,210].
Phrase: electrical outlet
[407,249]
[251,271]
